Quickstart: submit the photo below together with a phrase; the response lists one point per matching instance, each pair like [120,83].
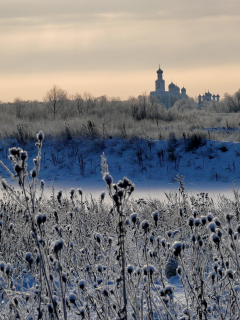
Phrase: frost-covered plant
[119,194]
[74,257]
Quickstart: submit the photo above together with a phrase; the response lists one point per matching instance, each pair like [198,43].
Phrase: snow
[178,288]
[151,165]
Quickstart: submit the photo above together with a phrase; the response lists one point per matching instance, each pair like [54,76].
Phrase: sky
[114,47]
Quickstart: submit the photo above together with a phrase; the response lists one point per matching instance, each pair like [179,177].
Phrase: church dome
[183,89]
[171,86]
[159,70]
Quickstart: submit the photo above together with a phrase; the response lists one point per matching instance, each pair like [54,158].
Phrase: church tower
[167,98]
[159,83]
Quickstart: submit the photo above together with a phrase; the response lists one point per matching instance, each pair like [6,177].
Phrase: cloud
[101,37]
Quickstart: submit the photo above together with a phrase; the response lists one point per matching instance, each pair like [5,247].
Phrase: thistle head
[177,248]
[40,136]
[145,225]
[108,179]
[72,192]
[33,173]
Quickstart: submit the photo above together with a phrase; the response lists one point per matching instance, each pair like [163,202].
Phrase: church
[207,97]
[167,98]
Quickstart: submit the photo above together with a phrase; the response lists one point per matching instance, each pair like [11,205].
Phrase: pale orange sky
[114,47]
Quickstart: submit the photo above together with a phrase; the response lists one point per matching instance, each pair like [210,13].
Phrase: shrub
[223,148]
[195,141]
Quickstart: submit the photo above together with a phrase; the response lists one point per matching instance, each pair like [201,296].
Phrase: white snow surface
[152,165]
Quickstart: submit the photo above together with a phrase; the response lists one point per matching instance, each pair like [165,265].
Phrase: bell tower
[159,83]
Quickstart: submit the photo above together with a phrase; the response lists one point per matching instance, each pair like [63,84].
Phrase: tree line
[58,103]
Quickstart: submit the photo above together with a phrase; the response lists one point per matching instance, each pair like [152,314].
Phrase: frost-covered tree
[232,101]
[55,99]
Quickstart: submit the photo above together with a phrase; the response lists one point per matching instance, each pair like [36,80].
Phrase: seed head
[33,173]
[168,290]
[217,222]
[145,225]
[97,237]
[8,269]
[229,217]
[120,184]
[195,213]
[215,238]
[130,269]
[2,266]
[50,308]
[204,220]
[64,277]
[17,168]
[58,245]
[219,233]
[150,268]
[212,226]
[133,217]
[82,312]
[116,198]
[72,298]
[169,234]
[82,284]
[191,221]
[177,248]
[42,184]
[72,192]
[13,151]
[108,179]
[23,155]
[126,182]
[179,271]
[197,222]
[230,273]
[59,196]
[127,221]
[40,136]
[155,215]
[132,188]
[210,217]
[120,193]
[29,257]
[99,268]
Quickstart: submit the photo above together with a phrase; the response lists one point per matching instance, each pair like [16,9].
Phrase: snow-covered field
[151,165]
[74,257]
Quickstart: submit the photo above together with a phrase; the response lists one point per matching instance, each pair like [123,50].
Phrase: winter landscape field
[107,220]
[119,160]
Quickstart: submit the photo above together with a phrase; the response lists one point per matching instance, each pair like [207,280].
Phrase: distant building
[207,97]
[168,98]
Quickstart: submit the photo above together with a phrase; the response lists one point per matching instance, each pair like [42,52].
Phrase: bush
[195,141]
[223,148]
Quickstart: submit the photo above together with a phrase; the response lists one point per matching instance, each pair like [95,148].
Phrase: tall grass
[135,117]
[76,257]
